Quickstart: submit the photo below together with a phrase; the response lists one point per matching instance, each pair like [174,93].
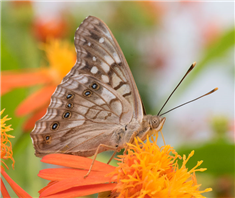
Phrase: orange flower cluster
[6,147]
[147,171]
[7,153]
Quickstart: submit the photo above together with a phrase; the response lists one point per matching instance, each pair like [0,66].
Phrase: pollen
[6,146]
[149,171]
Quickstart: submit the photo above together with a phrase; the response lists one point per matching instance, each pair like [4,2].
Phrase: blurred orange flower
[22,3]
[61,57]
[49,28]
[154,9]
[210,33]
[7,153]
[147,171]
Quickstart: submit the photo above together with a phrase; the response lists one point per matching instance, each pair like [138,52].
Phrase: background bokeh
[160,41]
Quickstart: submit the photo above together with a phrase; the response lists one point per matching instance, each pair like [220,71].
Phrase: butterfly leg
[96,153]
[130,141]
[112,156]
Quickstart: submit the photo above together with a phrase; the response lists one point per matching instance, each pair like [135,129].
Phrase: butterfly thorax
[148,126]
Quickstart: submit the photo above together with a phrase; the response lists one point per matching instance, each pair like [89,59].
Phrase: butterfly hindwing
[82,110]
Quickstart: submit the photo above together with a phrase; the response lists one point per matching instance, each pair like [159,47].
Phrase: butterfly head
[156,122]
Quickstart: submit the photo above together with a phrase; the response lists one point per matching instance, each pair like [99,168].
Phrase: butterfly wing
[83,113]
[99,54]
[96,97]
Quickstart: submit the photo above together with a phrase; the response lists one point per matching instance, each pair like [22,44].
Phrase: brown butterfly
[97,106]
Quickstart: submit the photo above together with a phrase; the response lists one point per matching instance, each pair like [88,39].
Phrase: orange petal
[82,191]
[47,186]
[12,80]
[2,162]
[17,189]
[4,192]
[29,124]
[59,174]
[76,162]
[36,100]
[4,89]
[76,182]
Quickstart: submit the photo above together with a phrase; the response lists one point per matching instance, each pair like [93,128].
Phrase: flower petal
[47,186]
[35,101]
[4,89]
[17,189]
[29,124]
[4,191]
[12,80]
[76,180]
[59,174]
[76,162]
[82,191]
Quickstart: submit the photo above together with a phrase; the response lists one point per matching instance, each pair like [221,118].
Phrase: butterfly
[97,102]
[97,106]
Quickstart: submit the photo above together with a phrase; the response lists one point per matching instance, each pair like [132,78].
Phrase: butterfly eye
[70,96]
[95,86]
[87,93]
[155,122]
[69,105]
[55,125]
[47,139]
[67,114]
[125,127]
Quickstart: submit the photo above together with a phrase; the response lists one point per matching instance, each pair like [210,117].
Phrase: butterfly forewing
[99,55]
[97,96]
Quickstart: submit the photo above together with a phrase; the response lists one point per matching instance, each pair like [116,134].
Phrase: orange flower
[69,181]
[6,153]
[61,57]
[147,171]
[15,187]
[6,147]
[53,28]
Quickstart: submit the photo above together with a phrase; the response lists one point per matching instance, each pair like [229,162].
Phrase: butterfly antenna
[215,89]
[189,70]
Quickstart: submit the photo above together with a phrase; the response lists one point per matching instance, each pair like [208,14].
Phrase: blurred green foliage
[218,155]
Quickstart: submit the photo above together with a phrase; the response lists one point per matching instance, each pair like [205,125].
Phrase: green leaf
[218,157]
